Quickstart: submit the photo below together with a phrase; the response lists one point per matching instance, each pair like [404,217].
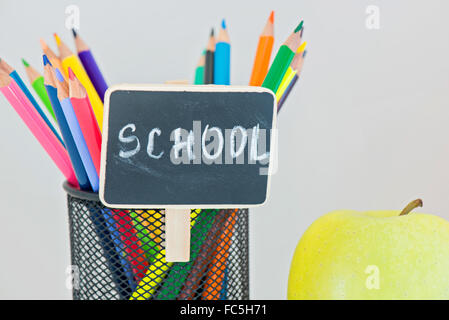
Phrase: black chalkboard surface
[186,146]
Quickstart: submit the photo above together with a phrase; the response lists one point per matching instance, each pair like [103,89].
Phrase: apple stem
[412,205]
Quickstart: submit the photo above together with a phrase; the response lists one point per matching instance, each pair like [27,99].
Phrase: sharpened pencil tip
[74,32]
[46,61]
[25,63]
[71,74]
[223,24]
[271,18]
[59,75]
[304,53]
[212,32]
[299,27]
[302,47]
[57,39]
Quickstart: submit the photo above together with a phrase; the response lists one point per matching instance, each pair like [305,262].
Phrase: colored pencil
[37,82]
[287,92]
[263,53]
[52,56]
[224,289]
[86,119]
[13,74]
[152,220]
[110,242]
[68,59]
[149,247]
[209,60]
[132,246]
[215,280]
[90,65]
[203,258]
[199,71]
[282,60]
[222,58]
[291,71]
[292,83]
[158,270]
[75,130]
[37,126]
[50,86]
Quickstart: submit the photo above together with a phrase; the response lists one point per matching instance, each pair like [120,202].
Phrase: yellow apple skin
[335,257]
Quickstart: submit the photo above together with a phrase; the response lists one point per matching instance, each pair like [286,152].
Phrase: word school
[199,145]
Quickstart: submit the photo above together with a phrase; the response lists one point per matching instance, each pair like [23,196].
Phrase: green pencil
[199,71]
[37,82]
[283,59]
[149,247]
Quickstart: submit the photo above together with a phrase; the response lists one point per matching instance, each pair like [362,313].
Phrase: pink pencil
[34,122]
[86,119]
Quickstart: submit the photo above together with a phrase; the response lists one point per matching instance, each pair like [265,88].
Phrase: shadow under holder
[118,253]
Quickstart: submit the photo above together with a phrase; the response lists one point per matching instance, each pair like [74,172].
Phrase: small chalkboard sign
[180,147]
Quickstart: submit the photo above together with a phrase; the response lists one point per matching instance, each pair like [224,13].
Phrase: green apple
[372,255]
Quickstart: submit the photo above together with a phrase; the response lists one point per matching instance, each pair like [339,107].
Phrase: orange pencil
[263,53]
[216,275]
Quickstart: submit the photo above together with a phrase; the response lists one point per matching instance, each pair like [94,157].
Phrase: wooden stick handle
[177,235]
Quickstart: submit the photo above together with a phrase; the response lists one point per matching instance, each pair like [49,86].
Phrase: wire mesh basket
[119,254]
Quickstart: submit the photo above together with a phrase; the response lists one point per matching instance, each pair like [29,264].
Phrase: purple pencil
[89,63]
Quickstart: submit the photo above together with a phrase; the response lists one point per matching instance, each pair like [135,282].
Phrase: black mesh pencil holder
[119,254]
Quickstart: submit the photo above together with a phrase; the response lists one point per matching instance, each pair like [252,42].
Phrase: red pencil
[37,126]
[132,245]
[86,118]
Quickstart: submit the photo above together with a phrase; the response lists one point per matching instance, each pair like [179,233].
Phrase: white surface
[367,128]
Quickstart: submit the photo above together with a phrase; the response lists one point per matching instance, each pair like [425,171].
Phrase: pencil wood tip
[43,44]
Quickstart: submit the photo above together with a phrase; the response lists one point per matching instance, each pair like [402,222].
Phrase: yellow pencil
[69,60]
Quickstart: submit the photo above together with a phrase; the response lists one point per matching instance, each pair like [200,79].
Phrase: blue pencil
[222,58]
[126,274]
[75,158]
[76,132]
[13,74]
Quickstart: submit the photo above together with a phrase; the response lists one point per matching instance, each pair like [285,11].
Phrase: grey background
[367,128]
